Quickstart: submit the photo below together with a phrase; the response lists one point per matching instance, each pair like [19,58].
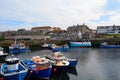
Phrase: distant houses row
[75,32]
[108,29]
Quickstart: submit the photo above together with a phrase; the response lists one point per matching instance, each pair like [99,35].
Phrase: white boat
[58,60]
[2,54]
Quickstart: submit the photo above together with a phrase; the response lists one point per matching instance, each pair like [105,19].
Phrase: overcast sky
[17,14]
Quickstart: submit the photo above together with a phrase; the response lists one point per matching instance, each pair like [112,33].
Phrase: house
[108,29]
[78,32]
[41,28]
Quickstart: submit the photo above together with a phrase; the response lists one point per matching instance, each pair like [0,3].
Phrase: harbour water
[94,64]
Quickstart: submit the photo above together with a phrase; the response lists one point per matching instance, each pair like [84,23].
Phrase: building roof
[41,27]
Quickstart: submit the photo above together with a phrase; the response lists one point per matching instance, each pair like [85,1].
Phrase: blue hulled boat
[40,67]
[17,48]
[12,69]
[105,45]
[72,62]
[58,60]
[80,44]
[58,63]
[63,48]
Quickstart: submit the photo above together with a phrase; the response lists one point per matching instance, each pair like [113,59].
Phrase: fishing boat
[106,45]
[12,69]
[81,44]
[2,54]
[17,48]
[63,48]
[47,45]
[58,60]
[40,67]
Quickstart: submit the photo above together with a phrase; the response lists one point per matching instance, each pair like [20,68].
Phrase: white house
[108,29]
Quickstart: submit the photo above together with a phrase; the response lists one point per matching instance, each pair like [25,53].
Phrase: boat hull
[58,68]
[80,44]
[62,49]
[20,76]
[17,50]
[14,74]
[109,46]
[43,74]
[73,62]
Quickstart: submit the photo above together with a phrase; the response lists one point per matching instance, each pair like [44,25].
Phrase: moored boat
[105,45]
[2,54]
[81,44]
[73,62]
[17,48]
[40,67]
[12,69]
[63,48]
[58,60]
[47,46]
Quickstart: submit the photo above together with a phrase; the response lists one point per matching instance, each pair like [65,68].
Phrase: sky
[25,14]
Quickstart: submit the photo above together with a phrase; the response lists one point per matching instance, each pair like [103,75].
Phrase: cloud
[114,18]
[60,13]
[111,9]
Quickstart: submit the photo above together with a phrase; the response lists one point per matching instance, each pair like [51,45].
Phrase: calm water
[94,64]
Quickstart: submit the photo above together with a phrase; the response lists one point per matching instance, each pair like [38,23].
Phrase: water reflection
[109,53]
[61,75]
[98,64]
[93,68]
[93,64]
[110,62]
